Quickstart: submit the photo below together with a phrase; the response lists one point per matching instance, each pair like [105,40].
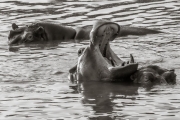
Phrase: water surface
[34,81]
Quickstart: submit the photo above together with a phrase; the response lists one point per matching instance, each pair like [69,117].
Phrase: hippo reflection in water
[44,32]
[98,62]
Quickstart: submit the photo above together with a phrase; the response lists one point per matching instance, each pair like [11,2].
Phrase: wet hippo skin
[153,74]
[98,62]
[39,32]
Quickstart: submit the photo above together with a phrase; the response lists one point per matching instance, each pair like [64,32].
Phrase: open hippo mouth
[104,43]
[102,35]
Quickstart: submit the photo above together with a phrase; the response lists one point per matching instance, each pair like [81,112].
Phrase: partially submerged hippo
[39,32]
[98,62]
[154,74]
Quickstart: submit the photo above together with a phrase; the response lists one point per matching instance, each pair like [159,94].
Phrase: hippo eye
[30,37]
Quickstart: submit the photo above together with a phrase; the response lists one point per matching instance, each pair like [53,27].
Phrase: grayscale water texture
[34,81]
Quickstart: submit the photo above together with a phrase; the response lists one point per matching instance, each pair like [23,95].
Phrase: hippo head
[153,74]
[28,34]
[147,78]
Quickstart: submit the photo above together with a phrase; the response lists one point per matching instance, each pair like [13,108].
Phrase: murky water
[33,79]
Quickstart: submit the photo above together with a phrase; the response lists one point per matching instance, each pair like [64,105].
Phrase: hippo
[42,32]
[153,74]
[39,32]
[97,62]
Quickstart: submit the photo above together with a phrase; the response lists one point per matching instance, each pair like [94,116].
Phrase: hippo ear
[14,26]
[39,30]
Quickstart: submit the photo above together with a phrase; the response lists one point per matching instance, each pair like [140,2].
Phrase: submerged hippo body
[39,32]
[98,62]
[153,74]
